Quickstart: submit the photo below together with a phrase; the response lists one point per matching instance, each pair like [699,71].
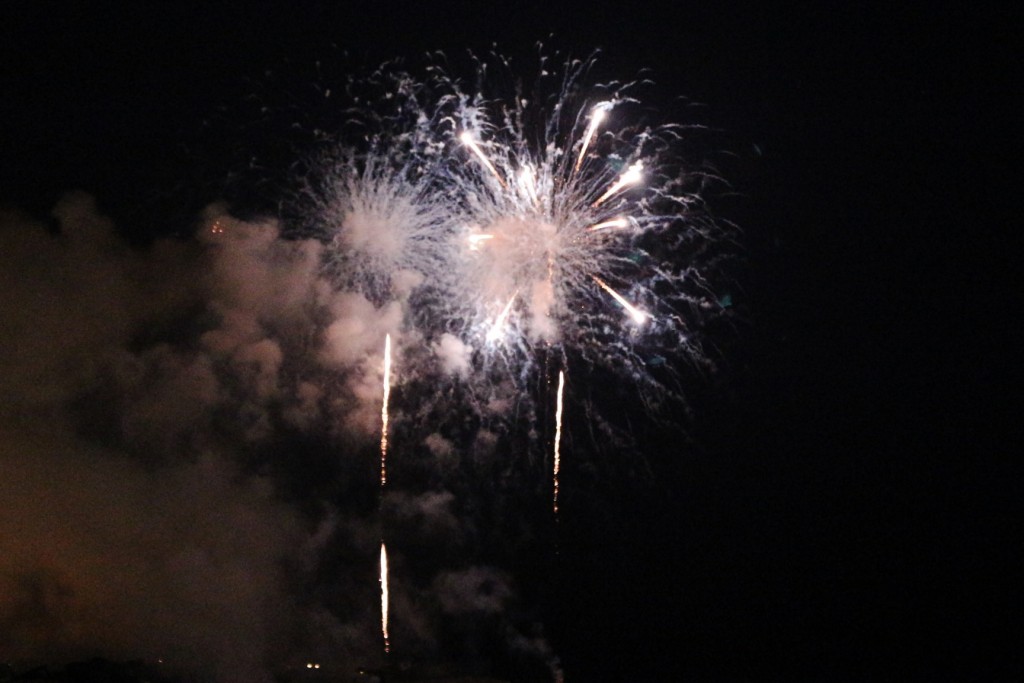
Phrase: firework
[384,413]
[384,597]
[558,440]
[522,221]
[502,229]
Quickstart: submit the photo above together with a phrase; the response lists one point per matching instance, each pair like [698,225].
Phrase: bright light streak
[467,139]
[528,180]
[384,596]
[633,175]
[614,223]
[558,439]
[638,316]
[475,240]
[596,117]
[384,411]
[499,324]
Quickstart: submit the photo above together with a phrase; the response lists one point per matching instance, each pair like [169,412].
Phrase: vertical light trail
[384,596]
[383,481]
[384,412]
[558,438]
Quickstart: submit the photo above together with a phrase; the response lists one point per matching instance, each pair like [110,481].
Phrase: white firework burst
[558,219]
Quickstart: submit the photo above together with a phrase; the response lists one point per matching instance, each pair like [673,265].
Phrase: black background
[847,510]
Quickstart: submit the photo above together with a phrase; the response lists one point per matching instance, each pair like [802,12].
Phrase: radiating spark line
[613,223]
[634,174]
[384,596]
[638,316]
[596,117]
[475,240]
[384,412]
[558,439]
[467,139]
[529,181]
[499,322]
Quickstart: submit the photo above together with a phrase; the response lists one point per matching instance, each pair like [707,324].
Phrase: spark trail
[595,120]
[384,413]
[634,312]
[384,597]
[383,481]
[558,440]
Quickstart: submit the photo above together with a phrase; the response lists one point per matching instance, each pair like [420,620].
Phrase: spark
[499,322]
[632,176]
[384,597]
[476,240]
[596,117]
[469,141]
[558,439]
[638,316]
[613,223]
[384,411]
[528,181]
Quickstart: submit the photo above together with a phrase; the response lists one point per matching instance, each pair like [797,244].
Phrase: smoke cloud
[182,440]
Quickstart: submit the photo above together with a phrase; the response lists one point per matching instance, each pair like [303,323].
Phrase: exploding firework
[500,233]
[511,225]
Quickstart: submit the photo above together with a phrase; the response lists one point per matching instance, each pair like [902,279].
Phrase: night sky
[839,503]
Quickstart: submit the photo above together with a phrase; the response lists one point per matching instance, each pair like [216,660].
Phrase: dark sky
[846,508]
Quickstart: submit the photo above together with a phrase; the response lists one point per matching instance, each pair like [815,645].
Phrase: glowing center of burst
[513,254]
[373,233]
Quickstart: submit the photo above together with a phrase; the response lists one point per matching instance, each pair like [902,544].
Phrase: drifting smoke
[137,387]
[190,429]
[150,507]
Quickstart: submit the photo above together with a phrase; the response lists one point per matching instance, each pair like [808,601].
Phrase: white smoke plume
[153,506]
[136,385]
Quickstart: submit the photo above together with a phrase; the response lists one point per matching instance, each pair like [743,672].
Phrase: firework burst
[521,235]
[513,225]
[576,228]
